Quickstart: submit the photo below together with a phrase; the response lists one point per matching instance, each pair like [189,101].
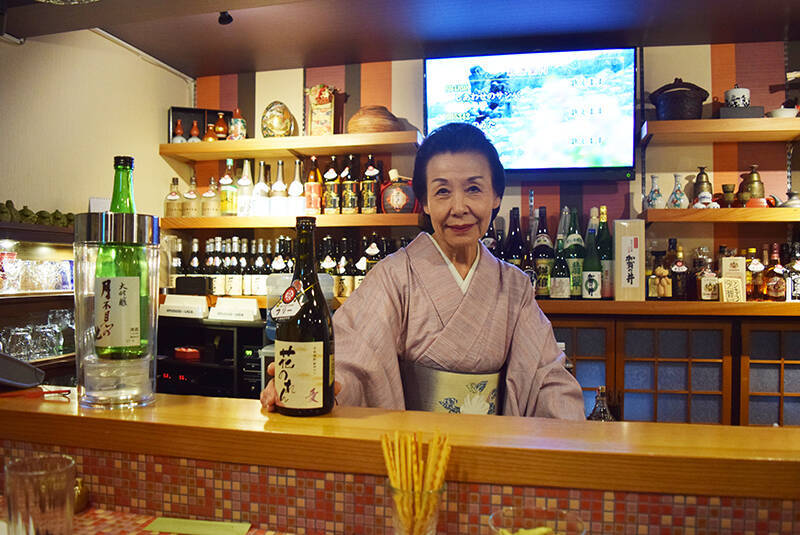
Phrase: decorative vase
[221,127]
[194,133]
[238,126]
[678,198]
[278,121]
[210,135]
[655,199]
[178,137]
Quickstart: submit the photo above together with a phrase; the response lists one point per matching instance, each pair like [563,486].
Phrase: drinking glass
[12,269]
[19,343]
[514,519]
[40,495]
[46,340]
[415,512]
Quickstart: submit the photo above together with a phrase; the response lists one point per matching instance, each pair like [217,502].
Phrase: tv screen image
[542,110]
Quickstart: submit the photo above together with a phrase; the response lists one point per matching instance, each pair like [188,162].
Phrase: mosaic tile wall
[297,501]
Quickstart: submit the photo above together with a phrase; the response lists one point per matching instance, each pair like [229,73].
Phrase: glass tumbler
[18,344]
[415,512]
[40,495]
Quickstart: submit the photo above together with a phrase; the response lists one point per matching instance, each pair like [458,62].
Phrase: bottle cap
[175,181]
[124,161]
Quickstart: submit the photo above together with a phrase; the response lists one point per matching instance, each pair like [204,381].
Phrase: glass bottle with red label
[775,277]
[313,189]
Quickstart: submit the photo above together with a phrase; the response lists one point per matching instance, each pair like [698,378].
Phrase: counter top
[627,456]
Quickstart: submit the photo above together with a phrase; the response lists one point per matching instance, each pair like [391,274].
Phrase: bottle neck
[304,268]
[122,197]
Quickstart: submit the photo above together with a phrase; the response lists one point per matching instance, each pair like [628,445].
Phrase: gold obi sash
[429,389]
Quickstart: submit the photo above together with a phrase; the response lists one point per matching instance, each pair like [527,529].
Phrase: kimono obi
[434,390]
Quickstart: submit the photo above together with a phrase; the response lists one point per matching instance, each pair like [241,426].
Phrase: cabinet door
[770,379]
[674,371]
[590,347]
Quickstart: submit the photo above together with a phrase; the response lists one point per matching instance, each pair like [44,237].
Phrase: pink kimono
[410,308]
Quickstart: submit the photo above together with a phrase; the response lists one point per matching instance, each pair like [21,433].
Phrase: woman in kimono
[442,324]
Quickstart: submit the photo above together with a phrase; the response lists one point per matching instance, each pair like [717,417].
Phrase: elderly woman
[442,324]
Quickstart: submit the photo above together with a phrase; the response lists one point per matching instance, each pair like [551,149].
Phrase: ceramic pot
[678,198]
[738,97]
[655,199]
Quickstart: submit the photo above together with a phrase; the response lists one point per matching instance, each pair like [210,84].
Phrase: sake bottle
[559,276]
[592,271]
[601,412]
[244,190]
[279,195]
[515,244]
[227,188]
[304,344]
[574,252]
[543,256]
[172,204]
[259,204]
[297,203]
[210,205]
[191,205]
[121,289]
[605,248]
[313,189]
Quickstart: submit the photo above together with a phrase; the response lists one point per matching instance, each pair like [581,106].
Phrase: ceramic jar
[678,198]
[655,199]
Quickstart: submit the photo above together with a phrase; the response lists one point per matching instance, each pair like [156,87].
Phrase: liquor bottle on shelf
[177,268]
[563,224]
[605,248]
[210,205]
[227,187]
[260,270]
[559,276]
[533,218]
[672,252]
[244,267]
[332,195]
[297,202]
[209,135]
[349,180]
[221,127]
[260,202]
[592,270]
[489,239]
[233,278]
[194,133]
[191,204]
[500,227]
[279,261]
[172,203]
[543,256]
[679,274]
[194,266]
[528,265]
[361,264]
[601,412]
[775,277]
[327,258]
[594,222]
[244,191]
[208,263]
[218,276]
[515,245]
[313,189]
[793,275]
[121,270]
[755,275]
[370,187]
[345,269]
[280,204]
[373,251]
[707,282]
[574,252]
[304,343]
[659,284]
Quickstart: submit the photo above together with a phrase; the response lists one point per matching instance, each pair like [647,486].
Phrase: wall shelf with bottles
[722,215]
[337,220]
[294,147]
[669,308]
[695,131]
[29,232]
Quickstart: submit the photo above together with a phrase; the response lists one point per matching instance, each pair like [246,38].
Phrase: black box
[753,112]
[193,286]
[187,115]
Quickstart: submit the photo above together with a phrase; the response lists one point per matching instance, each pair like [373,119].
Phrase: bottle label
[330,174]
[679,267]
[755,266]
[190,209]
[371,171]
[291,302]
[559,288]
[542,239]
[776,287]
[247,285]
[278,263]
[361,265]
[259,285]
[348,285]
[372,250]
[218,285]
[345,172]
[327,263]
[515,261]
[116,312]
[357,280]
[607,280]
[299,368]
[793,289]
[173,209]
[313,197]
[709,287]
[575,277]
[211,209]
[573,239]
[592,281]
[544,267]
[233,284]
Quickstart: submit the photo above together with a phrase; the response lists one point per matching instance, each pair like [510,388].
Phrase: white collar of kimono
[462,283]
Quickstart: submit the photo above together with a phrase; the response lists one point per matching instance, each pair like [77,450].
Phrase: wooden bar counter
[511,453]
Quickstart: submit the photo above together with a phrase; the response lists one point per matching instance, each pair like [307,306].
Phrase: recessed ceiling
[267,35]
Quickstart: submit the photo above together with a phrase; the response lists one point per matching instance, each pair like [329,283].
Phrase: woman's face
[460,197]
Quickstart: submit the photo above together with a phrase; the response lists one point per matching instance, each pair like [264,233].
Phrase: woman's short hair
[456,138]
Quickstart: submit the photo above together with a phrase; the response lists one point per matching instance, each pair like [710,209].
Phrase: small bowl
[512,520]
[783,112]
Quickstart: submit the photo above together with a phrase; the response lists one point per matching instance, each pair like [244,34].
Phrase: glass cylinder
[40,494]
[116,300]
[415,512]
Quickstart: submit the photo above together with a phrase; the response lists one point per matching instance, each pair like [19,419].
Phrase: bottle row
[240,267]
[338,190]
[578,266]
[733,276]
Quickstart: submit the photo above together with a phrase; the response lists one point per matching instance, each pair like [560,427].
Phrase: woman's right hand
[269,396]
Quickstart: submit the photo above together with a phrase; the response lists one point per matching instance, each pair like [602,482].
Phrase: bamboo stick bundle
[416,481]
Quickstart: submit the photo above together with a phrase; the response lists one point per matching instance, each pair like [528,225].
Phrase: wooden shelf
[340,220]
[720,131]
[35,295]
[262,300]
[35,233]
[293,147]
[723,215]
[668,308]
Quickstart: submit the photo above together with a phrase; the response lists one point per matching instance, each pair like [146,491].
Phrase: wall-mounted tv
[563,115]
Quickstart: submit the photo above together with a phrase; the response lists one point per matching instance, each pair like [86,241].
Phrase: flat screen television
[551,115]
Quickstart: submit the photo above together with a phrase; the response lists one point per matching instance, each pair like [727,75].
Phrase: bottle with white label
[210,203]
[191,200]
[233,275]
[278,195]
[218,273]
[244,191]
[172,204]
[297,201]
[260,201]
[260,270]
[304,344]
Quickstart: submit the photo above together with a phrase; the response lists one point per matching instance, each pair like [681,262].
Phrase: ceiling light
[224,18]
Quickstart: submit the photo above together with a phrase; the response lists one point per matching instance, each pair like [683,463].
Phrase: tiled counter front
[332,502]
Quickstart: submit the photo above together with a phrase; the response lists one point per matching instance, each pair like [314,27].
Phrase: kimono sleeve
[537,382]
[367,336]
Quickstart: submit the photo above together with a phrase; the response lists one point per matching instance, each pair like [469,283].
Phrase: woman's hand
[269,396]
